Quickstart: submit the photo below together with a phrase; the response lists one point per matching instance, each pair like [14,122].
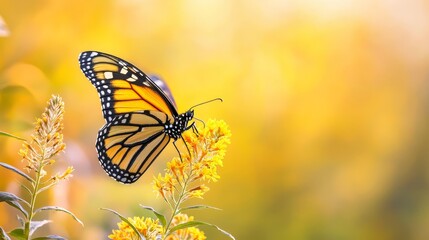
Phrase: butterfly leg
[177,149]
[194,128]
[204,124]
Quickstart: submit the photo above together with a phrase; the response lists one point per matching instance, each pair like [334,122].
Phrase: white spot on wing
[124,71]
[108,75]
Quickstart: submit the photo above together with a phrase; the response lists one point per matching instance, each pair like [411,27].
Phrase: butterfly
[140,112]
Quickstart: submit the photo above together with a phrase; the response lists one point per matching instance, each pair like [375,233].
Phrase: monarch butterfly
[141,116]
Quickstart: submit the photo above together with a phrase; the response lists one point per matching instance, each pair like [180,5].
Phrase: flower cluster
[190,233]
[185,177]
[149,228]
[47,140]
[152,229]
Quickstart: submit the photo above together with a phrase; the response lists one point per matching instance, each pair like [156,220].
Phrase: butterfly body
[141,117]
[180,124]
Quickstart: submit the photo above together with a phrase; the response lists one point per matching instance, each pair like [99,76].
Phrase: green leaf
[55,208]
[199,207]
[26,188]
[13,201]
[126,220]
[3,235]
[7,196]
[19,207]
[7,166]
[18,233]
[46,187]
[198,223]
[10,135]
[50,237]
[34,225]
[157,214]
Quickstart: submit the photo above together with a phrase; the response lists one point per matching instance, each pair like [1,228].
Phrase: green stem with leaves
[177,204]
[34,194]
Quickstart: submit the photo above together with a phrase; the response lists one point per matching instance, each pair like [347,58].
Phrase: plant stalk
[33,201]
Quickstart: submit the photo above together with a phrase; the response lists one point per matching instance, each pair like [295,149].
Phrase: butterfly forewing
[129,144]
[122,87]
[164,87]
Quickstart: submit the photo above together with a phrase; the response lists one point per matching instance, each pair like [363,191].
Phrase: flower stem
[33,201]
[178,203]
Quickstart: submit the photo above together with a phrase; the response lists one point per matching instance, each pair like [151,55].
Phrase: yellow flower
[63,176]
[164,185]
[149,228]
[208,149]
[198,191]
[190,233]
[177,167]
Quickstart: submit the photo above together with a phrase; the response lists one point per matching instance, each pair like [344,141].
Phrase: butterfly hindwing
[129,144]
[122,87]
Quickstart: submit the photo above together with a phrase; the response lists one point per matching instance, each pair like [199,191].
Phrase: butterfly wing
[164,87]
[129,144]
[122,87]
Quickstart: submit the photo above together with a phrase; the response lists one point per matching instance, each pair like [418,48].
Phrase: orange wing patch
[120,84]
[130,98]
[156,100]
[149,153]
[103,67]
[144,135]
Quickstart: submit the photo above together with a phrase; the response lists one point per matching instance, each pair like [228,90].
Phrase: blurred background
[328,103]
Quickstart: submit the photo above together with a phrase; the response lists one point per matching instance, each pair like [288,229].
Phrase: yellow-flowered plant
[46,142]
[184,178]
[146,226]
[185,233]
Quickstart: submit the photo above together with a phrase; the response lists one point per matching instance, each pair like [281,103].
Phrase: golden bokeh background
[327,100]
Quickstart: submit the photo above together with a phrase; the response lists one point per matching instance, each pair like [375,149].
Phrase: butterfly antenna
[212,100]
